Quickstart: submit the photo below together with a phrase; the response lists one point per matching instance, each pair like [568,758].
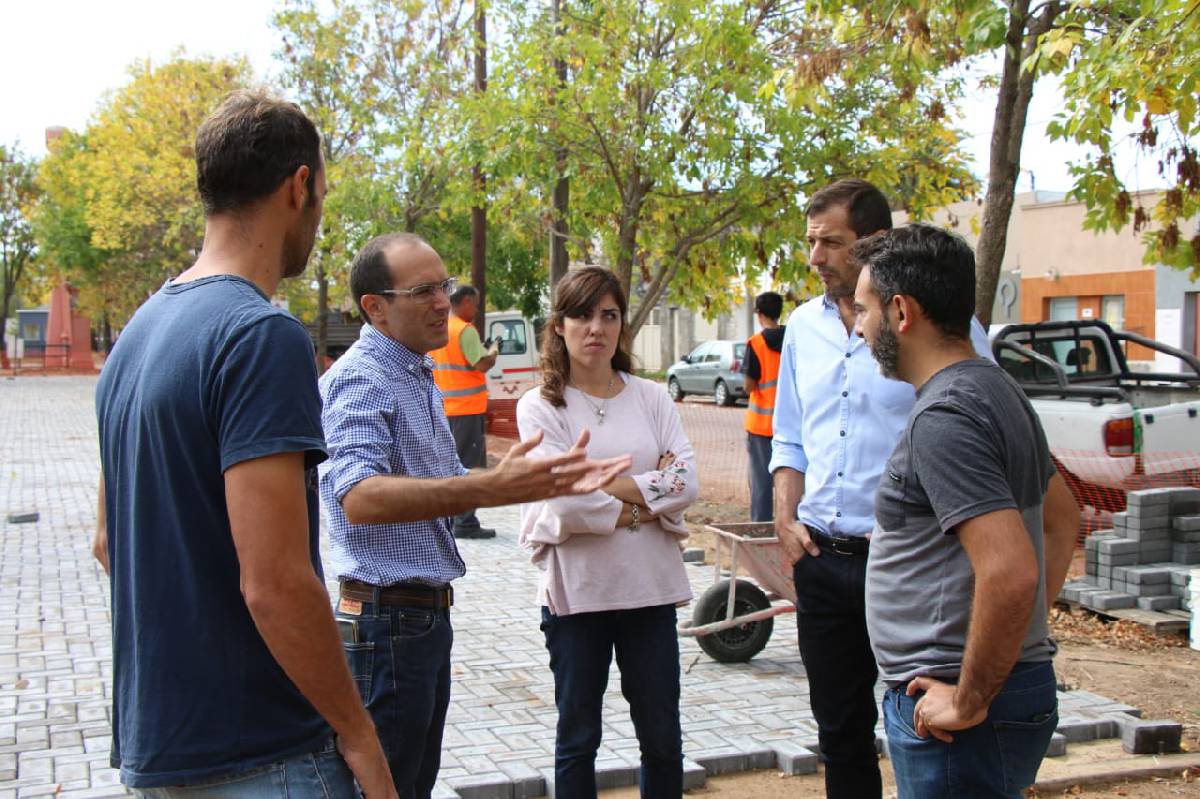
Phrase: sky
[58,59]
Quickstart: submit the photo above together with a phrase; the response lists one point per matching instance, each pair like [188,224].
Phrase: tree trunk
[322,315]
[12,277]
[655,292]
[562,186]
[478,212]
[4,301]
[633,196]
[558,233]
[1008,133]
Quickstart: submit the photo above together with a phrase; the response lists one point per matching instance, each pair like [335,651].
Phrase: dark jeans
[470,439]
[581,648]
[837,656]
[318,775]
[762,487]
[997,758]
[401,665]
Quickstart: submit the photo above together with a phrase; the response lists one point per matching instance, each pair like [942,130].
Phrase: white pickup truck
[1110,429]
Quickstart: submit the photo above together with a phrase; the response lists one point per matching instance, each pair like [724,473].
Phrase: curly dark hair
[576,295]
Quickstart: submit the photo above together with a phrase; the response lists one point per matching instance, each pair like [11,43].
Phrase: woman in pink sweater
[611,570]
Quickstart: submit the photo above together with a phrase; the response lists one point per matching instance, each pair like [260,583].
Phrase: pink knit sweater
[586,563]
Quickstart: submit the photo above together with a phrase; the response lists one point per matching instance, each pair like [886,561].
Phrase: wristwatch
[636,513]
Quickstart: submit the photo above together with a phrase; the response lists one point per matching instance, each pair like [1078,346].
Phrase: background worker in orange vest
[459,371]
[760,369]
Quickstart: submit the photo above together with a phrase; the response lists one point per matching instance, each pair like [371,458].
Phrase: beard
[298,246]
[886,349]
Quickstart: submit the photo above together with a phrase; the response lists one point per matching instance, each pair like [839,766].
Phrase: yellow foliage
[141,177]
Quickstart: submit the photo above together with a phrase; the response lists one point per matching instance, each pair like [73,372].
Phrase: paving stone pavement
[55,653]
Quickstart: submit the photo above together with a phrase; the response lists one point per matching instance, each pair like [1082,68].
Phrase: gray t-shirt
[973,445]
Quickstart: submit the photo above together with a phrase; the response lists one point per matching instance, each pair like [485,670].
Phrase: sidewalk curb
[1119,775]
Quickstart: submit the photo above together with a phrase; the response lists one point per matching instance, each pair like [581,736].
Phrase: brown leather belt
[410,594]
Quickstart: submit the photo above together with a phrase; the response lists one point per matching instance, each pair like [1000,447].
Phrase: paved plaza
[55,656]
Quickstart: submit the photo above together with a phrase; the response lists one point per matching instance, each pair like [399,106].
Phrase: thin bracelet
[636,513]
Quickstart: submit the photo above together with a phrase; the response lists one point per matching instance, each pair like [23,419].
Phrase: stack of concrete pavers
[1146,559]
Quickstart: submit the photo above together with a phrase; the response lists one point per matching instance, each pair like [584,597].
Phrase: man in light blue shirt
[837,420]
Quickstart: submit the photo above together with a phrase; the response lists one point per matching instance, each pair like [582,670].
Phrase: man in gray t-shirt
[973,530]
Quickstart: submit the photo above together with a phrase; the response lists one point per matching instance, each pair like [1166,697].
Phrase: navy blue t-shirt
[206,375]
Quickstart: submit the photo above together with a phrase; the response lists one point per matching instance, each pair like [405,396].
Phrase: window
[1112,311]
[510,335]
[1064,309]
[1080,358]
[1084,356]
[697,355]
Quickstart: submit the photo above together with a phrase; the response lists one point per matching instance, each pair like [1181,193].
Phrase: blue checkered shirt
[383,416]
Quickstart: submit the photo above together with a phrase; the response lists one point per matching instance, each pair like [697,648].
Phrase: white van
[516,369]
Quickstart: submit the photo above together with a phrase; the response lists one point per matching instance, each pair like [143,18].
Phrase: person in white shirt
[610,564]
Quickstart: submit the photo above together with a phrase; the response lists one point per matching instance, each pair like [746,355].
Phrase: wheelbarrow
[733,619]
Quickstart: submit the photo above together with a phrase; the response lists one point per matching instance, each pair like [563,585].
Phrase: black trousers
[470,438]
[837,656]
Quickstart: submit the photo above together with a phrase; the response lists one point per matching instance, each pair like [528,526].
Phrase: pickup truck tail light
[1118,436]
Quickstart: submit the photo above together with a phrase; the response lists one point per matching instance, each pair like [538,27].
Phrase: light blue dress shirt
[837,419]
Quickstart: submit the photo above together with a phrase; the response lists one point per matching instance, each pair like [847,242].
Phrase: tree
[686,161]
[128,183]
[1025,25]
[1136,62]
[18,193]
[920,45]
[390,86]
[65,238]
[328,63]
[1120,59]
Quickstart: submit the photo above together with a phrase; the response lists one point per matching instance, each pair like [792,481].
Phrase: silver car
[713,368]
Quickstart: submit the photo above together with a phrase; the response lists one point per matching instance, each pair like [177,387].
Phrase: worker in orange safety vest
[460,372]
[760,370]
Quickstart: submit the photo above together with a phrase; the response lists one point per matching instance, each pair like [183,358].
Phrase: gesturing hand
[936,714]
[525,479]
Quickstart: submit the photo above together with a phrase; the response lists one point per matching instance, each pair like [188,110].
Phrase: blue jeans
[581,648]
[997,758]
[317,775]
[401,665]
[762,485]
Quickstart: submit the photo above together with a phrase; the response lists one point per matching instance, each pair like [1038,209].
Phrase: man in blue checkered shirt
[391,483]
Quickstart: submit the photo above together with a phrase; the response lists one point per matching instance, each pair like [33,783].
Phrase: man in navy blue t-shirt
[227,662]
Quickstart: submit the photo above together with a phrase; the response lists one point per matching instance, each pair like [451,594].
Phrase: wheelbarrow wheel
[737,644]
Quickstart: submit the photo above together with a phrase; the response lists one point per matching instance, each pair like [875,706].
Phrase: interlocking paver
[56,657]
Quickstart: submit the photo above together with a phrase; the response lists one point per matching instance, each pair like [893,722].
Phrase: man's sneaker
[474,532]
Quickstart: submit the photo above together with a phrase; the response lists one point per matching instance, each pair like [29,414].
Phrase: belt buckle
[837,546]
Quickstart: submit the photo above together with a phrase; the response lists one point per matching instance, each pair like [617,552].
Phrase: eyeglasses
[426,292]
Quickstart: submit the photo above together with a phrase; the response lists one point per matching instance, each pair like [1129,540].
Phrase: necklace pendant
[600,413]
